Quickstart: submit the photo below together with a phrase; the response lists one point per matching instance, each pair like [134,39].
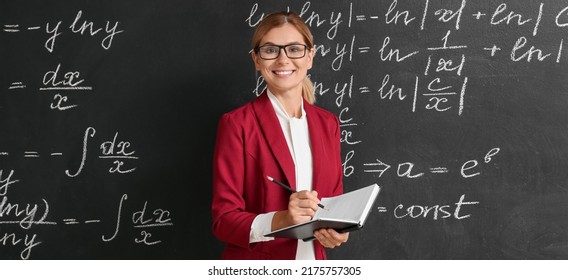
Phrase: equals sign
[11,28]
[16,85]
[382,209]
[364,89]
[439,170]
[364,49]
[70,221]
[31,154]
[361,17]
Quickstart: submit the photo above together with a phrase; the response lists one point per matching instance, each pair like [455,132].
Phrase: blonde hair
[276,20]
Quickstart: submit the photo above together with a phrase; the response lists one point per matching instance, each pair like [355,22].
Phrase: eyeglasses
[293,51]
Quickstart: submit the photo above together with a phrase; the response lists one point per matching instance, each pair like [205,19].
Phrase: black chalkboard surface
[457,109]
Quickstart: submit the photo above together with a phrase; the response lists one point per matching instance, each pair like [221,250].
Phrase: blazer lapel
[274,136]
[316,143]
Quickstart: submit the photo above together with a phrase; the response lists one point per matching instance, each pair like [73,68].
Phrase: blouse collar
[279,108]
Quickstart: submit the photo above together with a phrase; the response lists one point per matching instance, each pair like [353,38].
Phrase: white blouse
[298,139]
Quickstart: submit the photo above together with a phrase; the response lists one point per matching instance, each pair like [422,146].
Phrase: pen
[289,189]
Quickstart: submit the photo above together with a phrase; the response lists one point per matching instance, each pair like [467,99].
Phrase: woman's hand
[302,206]
[330,238]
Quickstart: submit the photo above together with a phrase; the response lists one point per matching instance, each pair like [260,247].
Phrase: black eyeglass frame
[280,47]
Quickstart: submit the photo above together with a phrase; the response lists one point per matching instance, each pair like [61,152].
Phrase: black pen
[289,189]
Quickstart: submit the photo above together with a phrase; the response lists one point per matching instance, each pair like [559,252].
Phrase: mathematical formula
[437,82]
[67,85]
[26,216]
[78,26]
[441,86]
[357,46]
[119,153]
[60,81]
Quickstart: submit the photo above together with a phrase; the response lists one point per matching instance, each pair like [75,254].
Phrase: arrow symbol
[378,167]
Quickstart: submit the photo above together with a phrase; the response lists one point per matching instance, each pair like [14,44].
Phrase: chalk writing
[107,148]
[406,169]
[6,181]
[439,86]
[28,215]
[19,219]
[412,67]
[78,26]
[13,239]
[434,212]
[56,80]
[24,216]
[141,219]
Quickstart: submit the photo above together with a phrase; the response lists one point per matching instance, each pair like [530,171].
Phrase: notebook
[345,212]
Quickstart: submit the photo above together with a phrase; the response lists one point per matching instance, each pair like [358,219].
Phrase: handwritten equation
[441,85]
[119,153]
[26,216]
[78,26]
[60,81]
[406,169]
[467,169]
[357,44]
[144,221]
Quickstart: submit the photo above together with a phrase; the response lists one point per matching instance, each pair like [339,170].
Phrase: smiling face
[284,75]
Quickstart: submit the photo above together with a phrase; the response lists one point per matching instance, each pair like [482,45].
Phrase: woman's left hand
[330,238]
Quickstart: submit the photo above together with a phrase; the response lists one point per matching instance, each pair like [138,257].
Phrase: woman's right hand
[302,206]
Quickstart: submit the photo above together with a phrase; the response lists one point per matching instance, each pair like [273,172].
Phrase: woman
[282,135]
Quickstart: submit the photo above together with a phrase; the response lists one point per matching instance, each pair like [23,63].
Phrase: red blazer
[250,145]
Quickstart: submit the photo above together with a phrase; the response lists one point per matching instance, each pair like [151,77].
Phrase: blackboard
[457,109]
